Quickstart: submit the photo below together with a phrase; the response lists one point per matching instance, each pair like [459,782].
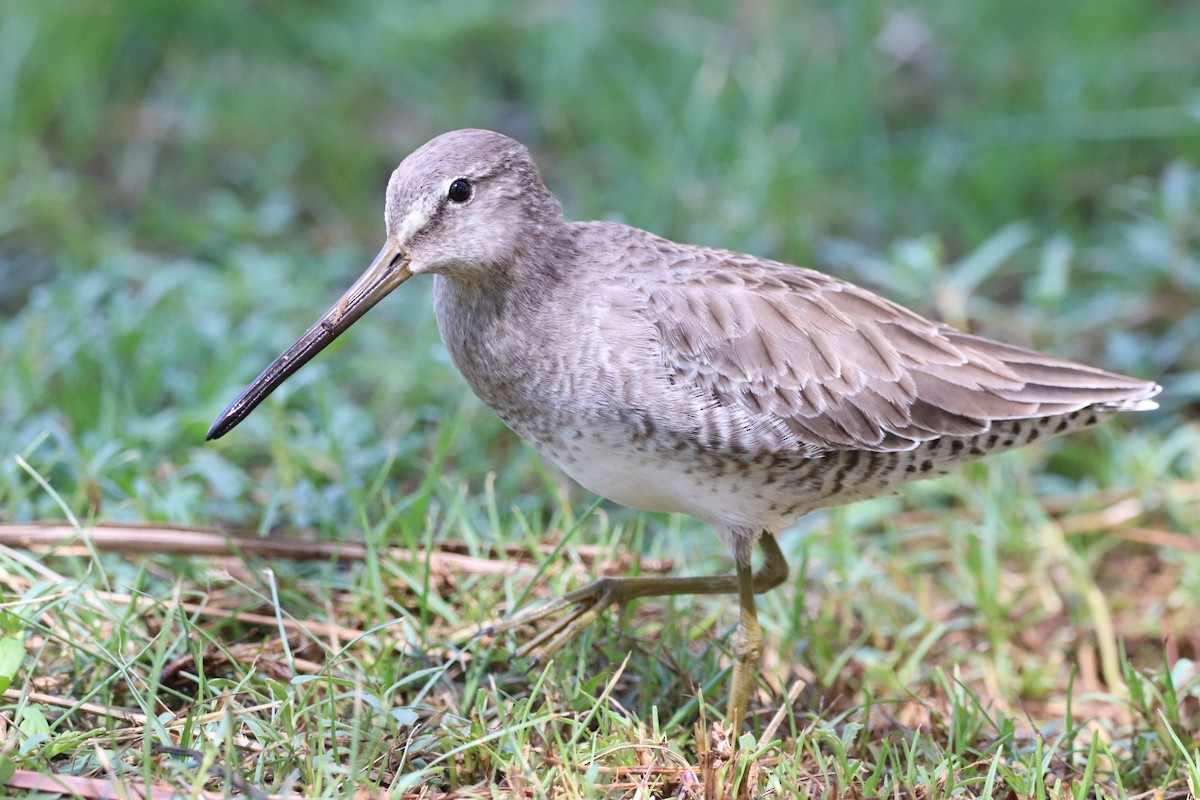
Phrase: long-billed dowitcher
[669,377]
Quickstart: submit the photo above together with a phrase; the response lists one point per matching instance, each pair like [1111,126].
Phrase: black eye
[460,190]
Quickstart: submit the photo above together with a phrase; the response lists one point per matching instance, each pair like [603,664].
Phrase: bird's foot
[582,607]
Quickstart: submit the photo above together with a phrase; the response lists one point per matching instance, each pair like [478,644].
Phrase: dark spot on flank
[1091,420]
[839,477]
[1034,434]
[956,446]
[926,465]
[975,451]
[1062,426]
[911,468]
[875,463]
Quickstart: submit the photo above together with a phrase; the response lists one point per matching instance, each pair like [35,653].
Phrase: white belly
[640,476]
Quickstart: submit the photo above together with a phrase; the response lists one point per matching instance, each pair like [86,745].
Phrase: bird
[669,377]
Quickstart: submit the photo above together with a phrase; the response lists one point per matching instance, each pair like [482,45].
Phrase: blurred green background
[186,186]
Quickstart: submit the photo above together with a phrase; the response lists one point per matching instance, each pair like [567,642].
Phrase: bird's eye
[460,190]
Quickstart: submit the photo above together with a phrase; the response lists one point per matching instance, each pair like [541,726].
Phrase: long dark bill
[387,271]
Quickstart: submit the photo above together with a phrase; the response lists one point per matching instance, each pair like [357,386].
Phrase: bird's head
[467,205]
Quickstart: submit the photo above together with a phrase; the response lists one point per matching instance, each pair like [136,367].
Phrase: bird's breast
[512,353]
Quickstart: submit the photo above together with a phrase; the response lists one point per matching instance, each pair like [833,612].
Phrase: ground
[187,186]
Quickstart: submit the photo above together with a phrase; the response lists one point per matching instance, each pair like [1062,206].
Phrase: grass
[184,187]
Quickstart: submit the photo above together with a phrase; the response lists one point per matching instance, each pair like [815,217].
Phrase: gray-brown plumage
[669,377]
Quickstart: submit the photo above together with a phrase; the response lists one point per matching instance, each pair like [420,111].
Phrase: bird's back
[776,358]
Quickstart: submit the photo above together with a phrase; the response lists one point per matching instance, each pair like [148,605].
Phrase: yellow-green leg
[747,649]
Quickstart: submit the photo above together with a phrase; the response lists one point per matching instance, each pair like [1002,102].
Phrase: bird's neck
[494,325]
[515,288]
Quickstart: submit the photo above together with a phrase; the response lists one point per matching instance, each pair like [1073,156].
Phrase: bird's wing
[782,359]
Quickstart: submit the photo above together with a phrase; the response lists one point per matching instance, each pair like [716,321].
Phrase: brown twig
[95,709]
[180,540]
[99,788]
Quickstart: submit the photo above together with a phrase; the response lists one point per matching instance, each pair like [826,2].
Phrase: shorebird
[669,377]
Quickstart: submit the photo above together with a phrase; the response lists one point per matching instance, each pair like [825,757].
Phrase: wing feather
[782,359]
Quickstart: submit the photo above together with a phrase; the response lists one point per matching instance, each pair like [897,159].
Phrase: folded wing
[782,359]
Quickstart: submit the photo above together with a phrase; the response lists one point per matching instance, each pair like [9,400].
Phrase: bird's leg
[588,602]
[746,645]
